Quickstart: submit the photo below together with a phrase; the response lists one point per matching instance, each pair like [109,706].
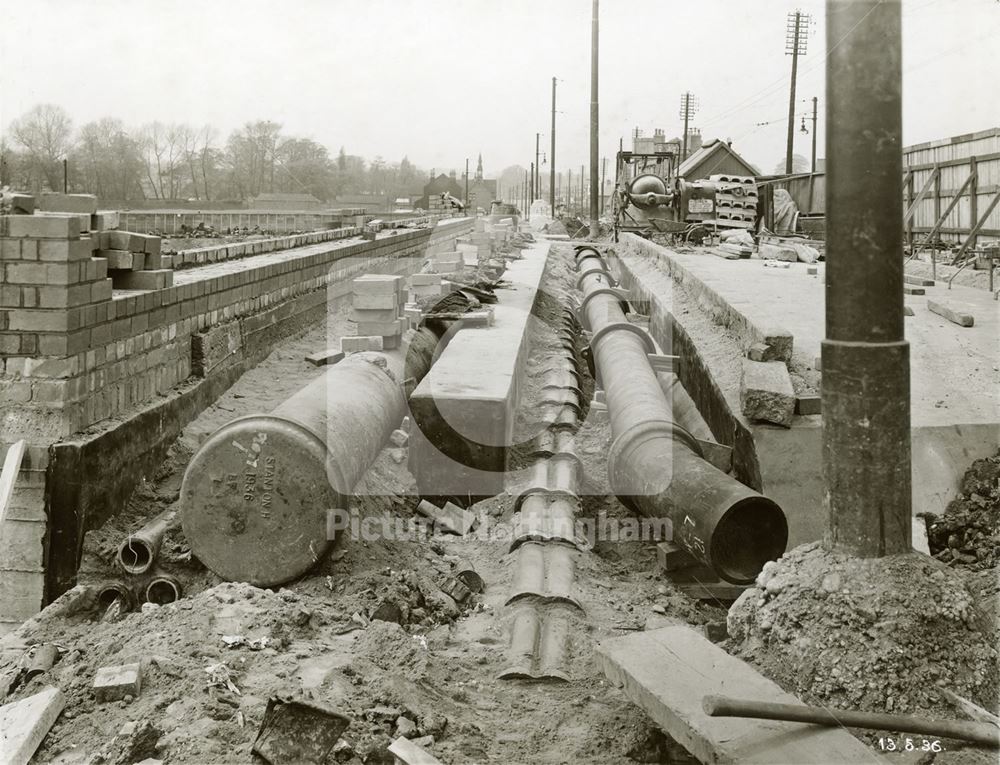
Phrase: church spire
[479,169]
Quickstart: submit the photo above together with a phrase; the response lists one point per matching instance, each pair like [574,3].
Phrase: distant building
[291,202]
[715,158]
[436,187]
[482,192]
[370,203]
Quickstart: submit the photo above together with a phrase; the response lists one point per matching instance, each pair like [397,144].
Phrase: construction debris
[24,723]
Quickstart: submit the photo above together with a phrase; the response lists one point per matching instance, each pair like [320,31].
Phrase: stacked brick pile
[447,262]
[423,286]
[737,202]
[52,290]
[134,261]
[377,303]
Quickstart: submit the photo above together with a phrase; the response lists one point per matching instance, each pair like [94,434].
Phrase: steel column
[866,371]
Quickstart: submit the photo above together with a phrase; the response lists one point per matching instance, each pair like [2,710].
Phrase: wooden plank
[960,318]
[664,363]
[908,290]
[11,467]
[668,671]
[408,753]
[324,358]
[24,723]
[918,281]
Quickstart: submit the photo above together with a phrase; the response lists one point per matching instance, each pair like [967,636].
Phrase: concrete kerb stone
[766,392]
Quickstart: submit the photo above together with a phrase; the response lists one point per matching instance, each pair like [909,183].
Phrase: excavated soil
[430,671]
[881,635]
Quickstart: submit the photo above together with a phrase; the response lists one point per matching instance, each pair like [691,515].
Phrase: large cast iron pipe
[654,465]
[256,496]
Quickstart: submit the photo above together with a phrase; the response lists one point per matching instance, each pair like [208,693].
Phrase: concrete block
[399,438]
[808,405]
[424,280]
[766,393]
[324,358]
[960,318]
[370,302]
[119,240]
[152,245]
[25,724]
[40,226]
[104,220]
[391,342]
[781,342]
[115,683]
[22,204]
[369,315]
[360,344]
[63,250]
[51,201]
[381,328]
[377,284]
[123,260]
[911,290]
[144,280]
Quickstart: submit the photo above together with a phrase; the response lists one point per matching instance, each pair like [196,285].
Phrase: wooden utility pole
[604,170]
[689,105]
[795,44]
[594,40]
[466,185]
[813,165]
[552,153]
[865,357]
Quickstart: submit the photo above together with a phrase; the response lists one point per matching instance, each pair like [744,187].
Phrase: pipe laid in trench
[138,551]
[654,465]
[256,497]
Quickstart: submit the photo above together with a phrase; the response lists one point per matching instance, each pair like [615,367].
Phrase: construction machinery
[651,197]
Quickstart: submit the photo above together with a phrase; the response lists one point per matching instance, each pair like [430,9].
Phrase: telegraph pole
[813,166]
[604,170]
[795,45]
[467,185]
[689,105]
[865,356]
[594,39]
[536,189]
[531,190]
[569,188]
[552,154]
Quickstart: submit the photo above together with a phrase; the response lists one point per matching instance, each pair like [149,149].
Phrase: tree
[45,133]
[106,161]
[799,165]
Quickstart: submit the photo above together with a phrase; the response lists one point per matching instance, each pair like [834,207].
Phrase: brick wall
[74,358]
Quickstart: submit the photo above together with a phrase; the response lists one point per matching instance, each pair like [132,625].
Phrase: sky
[442,80]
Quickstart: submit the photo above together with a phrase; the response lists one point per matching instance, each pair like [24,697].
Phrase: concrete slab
[954,369]
[667,672]
[464,408]
[24,723]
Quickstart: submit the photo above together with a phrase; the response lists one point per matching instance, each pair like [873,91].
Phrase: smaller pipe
[723,706]
[163,589]
[110,592]
[44,657]
[138,551]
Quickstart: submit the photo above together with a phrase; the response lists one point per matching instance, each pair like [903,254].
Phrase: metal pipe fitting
[138,551]
[163,589]
[655,466]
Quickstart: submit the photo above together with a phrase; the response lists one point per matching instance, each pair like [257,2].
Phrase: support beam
[976,228]
[865,361]
[908,215]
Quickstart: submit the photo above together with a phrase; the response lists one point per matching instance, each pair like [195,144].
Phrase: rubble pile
[968,534]
[885,634]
